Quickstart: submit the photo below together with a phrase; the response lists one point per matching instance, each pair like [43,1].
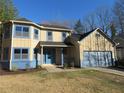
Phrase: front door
[49,56]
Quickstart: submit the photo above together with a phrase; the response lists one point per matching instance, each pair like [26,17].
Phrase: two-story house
[27,44]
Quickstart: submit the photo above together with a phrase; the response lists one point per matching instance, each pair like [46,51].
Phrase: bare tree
[90,22]
[119,14]
[104,18]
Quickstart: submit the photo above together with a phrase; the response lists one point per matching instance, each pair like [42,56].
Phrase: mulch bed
[7,72]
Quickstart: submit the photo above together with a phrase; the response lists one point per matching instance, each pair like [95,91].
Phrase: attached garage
[92,49]
[96,50]
[97,59]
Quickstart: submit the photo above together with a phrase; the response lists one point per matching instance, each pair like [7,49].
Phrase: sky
[61,10]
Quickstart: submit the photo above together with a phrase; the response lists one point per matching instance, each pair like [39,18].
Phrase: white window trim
[38,34]
[21,31]
[47,36]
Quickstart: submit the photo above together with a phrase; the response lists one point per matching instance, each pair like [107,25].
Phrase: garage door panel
[97,59]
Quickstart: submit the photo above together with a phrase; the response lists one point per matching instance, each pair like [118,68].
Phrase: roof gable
[101,32]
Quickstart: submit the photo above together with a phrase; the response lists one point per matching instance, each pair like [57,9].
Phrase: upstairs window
[49,36]
[18,31]
[63,36]
[36,34]
[25,32]
[22,31]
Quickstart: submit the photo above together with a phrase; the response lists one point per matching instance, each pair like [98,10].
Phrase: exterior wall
[91,43]
[58,56]
[120,53]
[31,43]
[6,43]
[72,55]
[57,35]
[120,56]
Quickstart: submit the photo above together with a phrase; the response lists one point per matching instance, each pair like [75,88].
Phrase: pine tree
[79,28]
[7,10]
[113,31]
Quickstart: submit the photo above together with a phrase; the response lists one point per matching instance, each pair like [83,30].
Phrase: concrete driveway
[116,71]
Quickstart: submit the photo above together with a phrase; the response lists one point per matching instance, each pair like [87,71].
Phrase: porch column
[41,55]
[62,57]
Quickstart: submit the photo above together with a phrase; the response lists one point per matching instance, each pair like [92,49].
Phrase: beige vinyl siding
[90,43]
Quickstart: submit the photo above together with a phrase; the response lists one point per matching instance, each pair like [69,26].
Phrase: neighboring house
[27,45]
[119,39]
[93,49]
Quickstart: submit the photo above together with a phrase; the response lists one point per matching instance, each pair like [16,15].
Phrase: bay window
[22,31]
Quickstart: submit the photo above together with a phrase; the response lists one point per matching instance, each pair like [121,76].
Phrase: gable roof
[120,42]
[41,26]
[23,19]
[79,37]
[119,39]
[54,26]
[74,38]
[106,36]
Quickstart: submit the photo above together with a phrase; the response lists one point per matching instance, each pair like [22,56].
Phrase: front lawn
[84,81]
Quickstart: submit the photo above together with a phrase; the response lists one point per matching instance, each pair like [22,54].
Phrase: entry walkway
[55,68]
[52,68]
[110,70]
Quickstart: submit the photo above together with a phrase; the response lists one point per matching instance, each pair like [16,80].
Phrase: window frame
[49,38]
[34,34]
[63,38]
[21,31]
[16,54]
[21,54]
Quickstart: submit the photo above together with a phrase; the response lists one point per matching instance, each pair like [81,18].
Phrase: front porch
[52,55]
[56,53]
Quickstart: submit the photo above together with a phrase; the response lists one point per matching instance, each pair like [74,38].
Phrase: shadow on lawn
[7,72]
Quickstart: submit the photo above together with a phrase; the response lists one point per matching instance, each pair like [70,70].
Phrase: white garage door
[97,59]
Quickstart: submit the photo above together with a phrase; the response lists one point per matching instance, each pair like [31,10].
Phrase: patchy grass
[84,81]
